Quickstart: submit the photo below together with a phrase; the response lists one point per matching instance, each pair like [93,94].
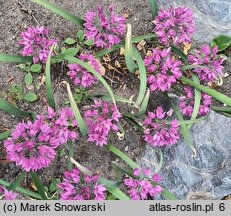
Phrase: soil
[15,16]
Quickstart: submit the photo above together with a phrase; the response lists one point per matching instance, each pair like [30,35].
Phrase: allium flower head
[106,28]
[80,75]
[101,119]
[187,102]
[141,189]
[32,144]
[158,131]
[79,186]
[36,43]
[210,60]
[163,68]
[174,25]
[6,194]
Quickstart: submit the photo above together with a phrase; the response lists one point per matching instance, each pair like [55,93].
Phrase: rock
[204,176]
[212,17]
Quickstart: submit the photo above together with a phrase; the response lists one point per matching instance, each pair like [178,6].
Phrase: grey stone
[213,17]
[206,175]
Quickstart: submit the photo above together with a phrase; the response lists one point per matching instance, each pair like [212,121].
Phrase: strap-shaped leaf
[65,14]
[15,58]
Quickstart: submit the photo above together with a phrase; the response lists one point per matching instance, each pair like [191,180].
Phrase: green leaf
[118,193]
[180,53]
[183,128]
[22,190]
[17,89]
[131,65]
[36,68]
[123,156]
[80,35]
[28,79]
[5,134]
[107,183]
[94,72]
[65,14]
[15,58]
[222,41]
[154,8]
[70,52]
[17,181]
[9,108]
[79,119]
[53,185]
[30,97]
[168,195]
[197,99]
[49,90]
[38,185]
[219,96]
[221,109]
[143,76]
[144,105]
[70,41]
[89,42]
[121,44]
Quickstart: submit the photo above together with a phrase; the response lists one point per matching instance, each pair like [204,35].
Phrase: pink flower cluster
[78,186]
[164,69]
[140,189]
[32,144]
[210,61]
[158,131]
[80,75]
[100,119]
[105,29]
[37,43]
[6,194]
[187,102]
[174,25]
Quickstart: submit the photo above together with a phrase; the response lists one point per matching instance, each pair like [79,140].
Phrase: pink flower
[101,119]
[79,186]
[163,68]
[158,132]
[210,61]
[37,43]
[105,30]
[6,194]
[187,102]
[32,145]
[80,75]
[140,189]
[174,25]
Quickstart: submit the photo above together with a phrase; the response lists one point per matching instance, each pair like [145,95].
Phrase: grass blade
[11,109]
[94,72]
[22,190]
[17,181]
[183,128]
[219,96]
[49,90]
[77,114]
[128,50]
[168,195]
[15,58]
[181,54]
[221,109]
[154,8]
[5,134]
[144,105]
[65,14]
[143,76]
[121,44]
[38,185]
[197,99]
[123,156]
[118,193]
